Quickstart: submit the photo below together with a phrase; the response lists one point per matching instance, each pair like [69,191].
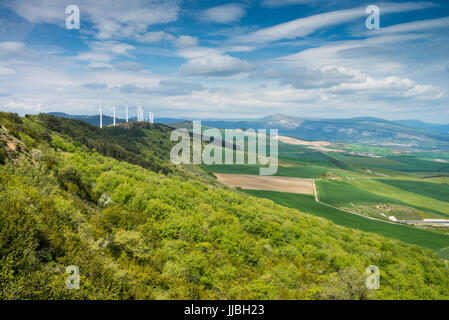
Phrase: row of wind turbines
[140,115]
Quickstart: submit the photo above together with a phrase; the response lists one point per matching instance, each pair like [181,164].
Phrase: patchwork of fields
[359,190]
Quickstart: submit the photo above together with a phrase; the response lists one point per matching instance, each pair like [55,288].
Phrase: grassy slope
[343,193]
[437,191]
[412,198]
[307,204]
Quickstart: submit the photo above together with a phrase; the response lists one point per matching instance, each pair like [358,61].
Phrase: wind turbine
[126,111]
[101,117]
[151,117]
[113,111]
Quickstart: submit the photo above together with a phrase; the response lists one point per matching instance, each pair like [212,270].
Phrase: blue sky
[221,59]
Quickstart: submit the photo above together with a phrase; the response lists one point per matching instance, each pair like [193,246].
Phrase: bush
[3,155]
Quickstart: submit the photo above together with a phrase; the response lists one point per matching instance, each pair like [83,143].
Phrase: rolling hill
[367,131]
[138,233]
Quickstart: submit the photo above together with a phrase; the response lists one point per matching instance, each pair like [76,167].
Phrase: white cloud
[215,65]
[113,20]
[187,41]
[154,36]
[390,87]
[224,14]
[99,66]
[422,25]
[353,54]
[306,78]
[93,56]
[15,52]
[5,71]
[305,26]
[102,52]
[129,66]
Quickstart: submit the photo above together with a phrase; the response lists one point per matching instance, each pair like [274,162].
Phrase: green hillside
[142,229]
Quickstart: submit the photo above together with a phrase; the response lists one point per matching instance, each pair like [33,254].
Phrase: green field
[438,191]
[370,191]
[309,172]
[361,183]
[412,198]
[306,203]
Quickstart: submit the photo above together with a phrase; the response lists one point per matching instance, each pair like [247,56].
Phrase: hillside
[107,120]
[368,131]
[139,234]
[444,128]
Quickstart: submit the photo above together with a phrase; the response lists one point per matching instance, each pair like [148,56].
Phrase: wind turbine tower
[126,111]
[140,113]
[113,111]
[101,117]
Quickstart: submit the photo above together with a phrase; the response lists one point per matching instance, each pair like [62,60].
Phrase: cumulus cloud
[154,36]
[390,87]
[160,36]
[215,64]
[14,51]
[102,52]
[307,78]
[224,14]
[187,41]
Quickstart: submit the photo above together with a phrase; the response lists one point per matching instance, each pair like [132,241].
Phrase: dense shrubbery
[156,237]
[130,143]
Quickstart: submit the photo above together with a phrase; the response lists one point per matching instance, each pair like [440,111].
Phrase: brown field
[273,183]
[299,142]
[316,145]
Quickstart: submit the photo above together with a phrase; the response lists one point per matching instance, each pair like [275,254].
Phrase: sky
[220,59]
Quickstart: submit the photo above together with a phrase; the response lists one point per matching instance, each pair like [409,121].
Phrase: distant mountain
[444,128]
[362,130]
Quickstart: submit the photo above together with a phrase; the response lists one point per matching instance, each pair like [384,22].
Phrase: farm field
[307,204]
[361,191]
[255,182]
[343,193]
[437,191]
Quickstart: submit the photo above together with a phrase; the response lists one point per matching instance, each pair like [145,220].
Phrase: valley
[389,191]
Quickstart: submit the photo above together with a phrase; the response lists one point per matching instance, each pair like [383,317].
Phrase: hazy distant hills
[363,130]
[444,128]
[408,134]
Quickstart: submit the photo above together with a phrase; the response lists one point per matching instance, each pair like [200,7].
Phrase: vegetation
[70,197]
[129,143]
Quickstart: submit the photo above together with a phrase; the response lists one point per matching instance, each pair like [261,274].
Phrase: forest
[110,202]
